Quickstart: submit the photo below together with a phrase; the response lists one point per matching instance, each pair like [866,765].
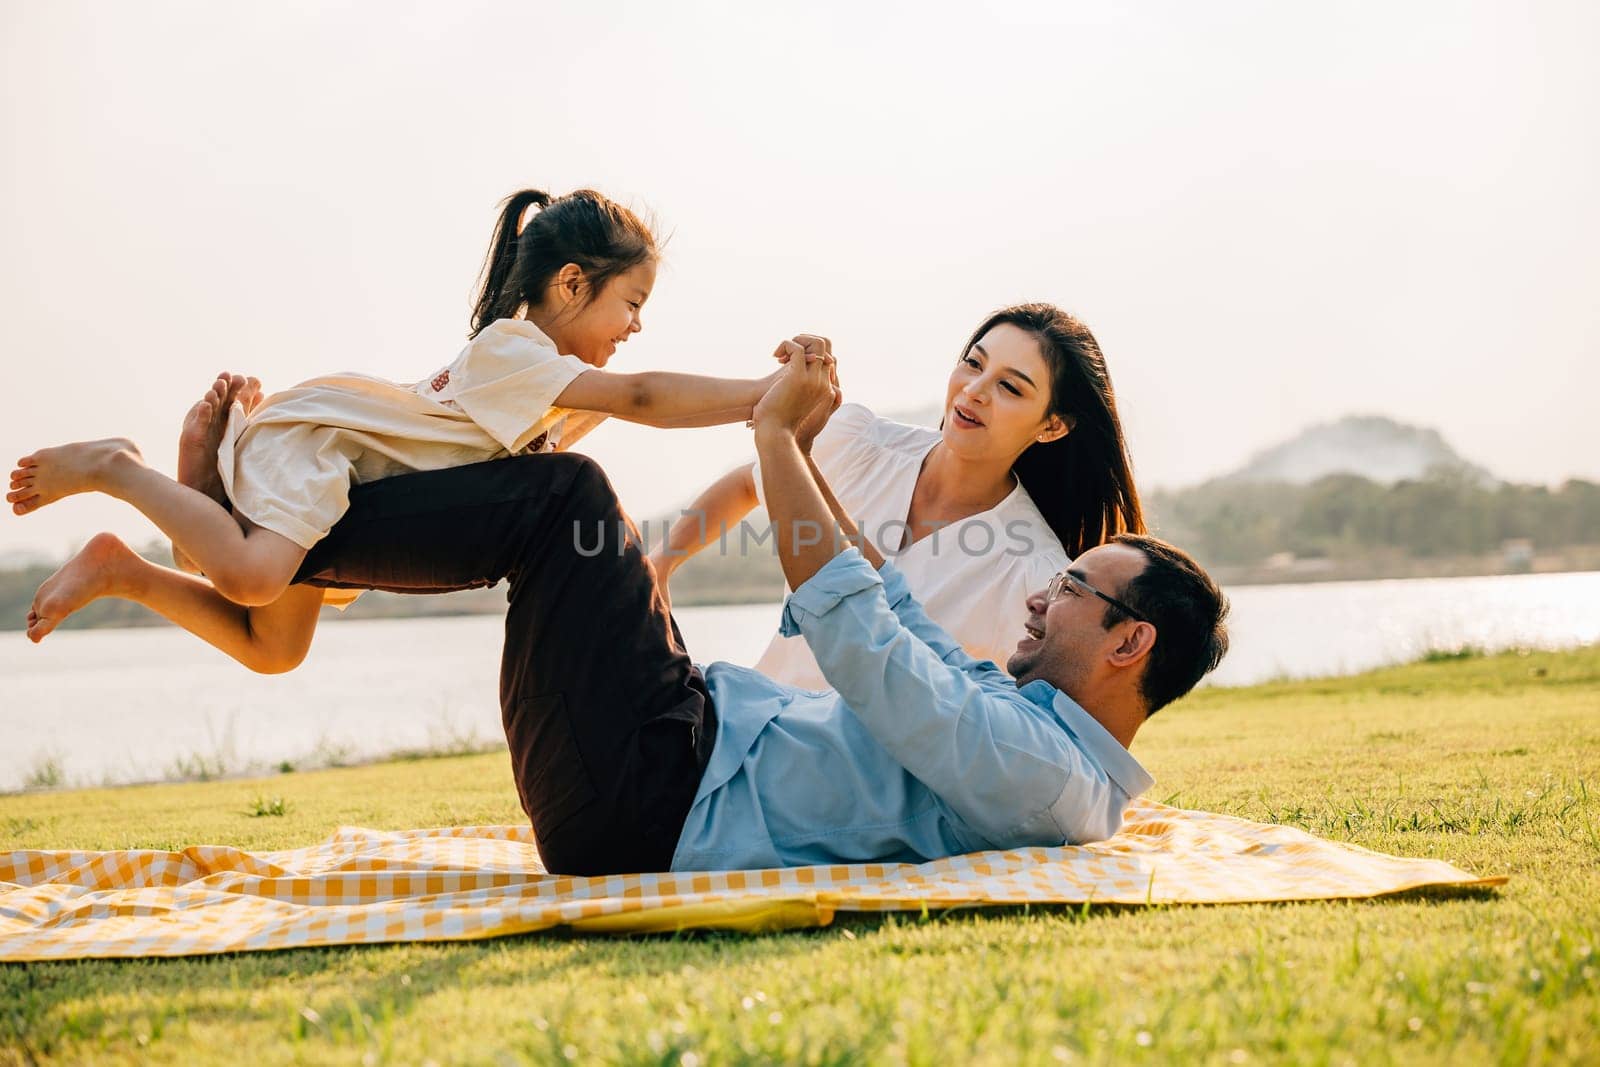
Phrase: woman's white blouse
[972,578]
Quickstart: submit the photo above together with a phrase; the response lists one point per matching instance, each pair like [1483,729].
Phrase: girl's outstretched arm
[705,418]
[664,398]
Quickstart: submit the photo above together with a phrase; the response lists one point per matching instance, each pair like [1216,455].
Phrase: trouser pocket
[552,780]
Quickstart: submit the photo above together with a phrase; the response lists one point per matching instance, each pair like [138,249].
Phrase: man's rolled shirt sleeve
[908,609]
[840,577]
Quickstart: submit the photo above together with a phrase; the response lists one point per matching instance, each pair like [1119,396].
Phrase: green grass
[1491,762]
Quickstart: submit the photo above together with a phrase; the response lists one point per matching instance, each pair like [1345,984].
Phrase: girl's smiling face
[591,327]
[998,397]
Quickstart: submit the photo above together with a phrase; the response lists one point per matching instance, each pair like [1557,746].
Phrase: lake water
[130,705]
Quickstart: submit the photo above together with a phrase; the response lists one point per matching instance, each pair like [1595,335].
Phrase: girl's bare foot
[203,428]
[52,473]
[101,568]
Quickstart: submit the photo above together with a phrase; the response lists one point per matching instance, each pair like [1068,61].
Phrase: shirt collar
[1096,740]
[529,330]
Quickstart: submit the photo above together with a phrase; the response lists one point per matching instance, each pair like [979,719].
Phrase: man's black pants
[609,723]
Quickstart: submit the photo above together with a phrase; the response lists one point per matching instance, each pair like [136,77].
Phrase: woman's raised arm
[724,502]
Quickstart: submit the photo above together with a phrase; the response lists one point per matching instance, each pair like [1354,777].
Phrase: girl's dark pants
[609,723]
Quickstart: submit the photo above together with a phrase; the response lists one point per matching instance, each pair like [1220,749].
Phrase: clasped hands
[805,391]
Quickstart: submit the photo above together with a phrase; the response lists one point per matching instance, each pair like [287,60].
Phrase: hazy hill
[1372,446]
[1375,447]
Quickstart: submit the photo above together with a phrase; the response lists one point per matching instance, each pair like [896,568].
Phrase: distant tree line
[17,587]
[1342,517]
[1345,516]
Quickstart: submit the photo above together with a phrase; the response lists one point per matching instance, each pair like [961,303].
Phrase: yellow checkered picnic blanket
[462,883]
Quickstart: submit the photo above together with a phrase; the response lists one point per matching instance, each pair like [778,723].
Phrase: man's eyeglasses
[1065,580]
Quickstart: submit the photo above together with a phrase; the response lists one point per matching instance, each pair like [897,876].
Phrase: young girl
[559,295]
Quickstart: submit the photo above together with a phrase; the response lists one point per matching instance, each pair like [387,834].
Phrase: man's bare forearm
[809,525]
[842,517]
[802,522]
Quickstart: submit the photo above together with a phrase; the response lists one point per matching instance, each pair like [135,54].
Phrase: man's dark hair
[1188,611]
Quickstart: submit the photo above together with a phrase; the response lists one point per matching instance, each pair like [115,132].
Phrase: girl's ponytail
[498,297]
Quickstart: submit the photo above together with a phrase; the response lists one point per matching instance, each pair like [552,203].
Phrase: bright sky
[1270,214]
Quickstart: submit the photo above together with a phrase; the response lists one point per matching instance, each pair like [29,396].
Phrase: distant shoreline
[48,777]
[116,614]
[1577,559]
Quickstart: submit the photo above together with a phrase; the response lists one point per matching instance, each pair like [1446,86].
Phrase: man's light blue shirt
[920,751]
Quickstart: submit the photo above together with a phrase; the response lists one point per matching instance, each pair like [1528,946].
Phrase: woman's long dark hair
[601,236]
[1081,483]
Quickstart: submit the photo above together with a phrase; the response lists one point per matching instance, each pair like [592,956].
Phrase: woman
[1027,470]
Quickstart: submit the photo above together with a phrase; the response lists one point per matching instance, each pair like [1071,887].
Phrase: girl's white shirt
[973,578]
[288,466]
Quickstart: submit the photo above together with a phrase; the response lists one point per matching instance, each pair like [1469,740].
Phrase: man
[628,758]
